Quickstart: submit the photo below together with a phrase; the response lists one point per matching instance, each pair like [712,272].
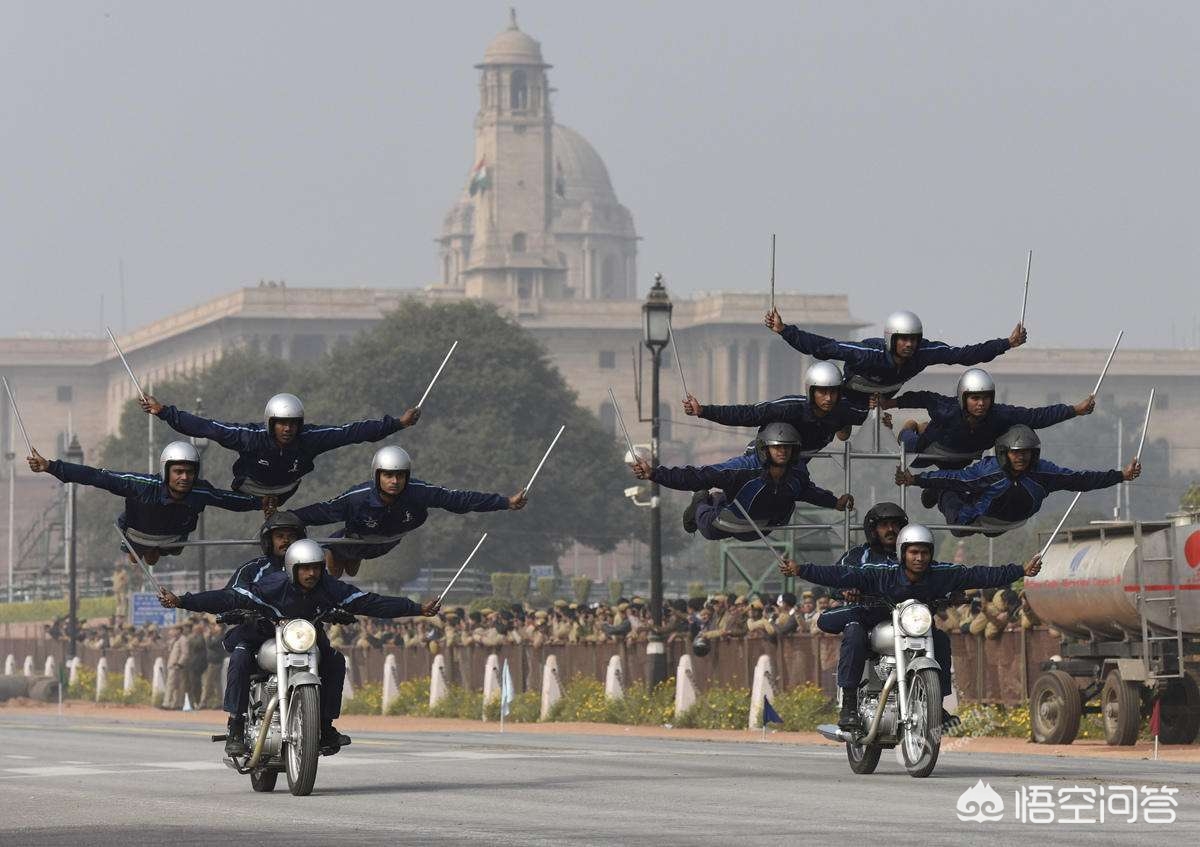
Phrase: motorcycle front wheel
[263,779]
[304,749]
[922,740]
[863,758]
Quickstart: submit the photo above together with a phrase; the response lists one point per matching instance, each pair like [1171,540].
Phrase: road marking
[61,770]
[18,757]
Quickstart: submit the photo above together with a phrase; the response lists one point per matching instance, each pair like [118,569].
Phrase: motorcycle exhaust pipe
[261,741]
[883,696]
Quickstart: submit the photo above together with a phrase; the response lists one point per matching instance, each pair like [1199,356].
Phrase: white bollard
[10,665]
[101,677]
[51,668]
[491,682]
[73,665]
[763,686]
[438,684]
[686,694]
[348,684]
[614,678]
[27,668]
[130,675]
[158,679]
[391,685]
[551,686]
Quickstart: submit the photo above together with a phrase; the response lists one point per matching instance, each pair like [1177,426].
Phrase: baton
[621,421]
[446,590]
[678,362]
[1096,390]
[125,362]
[1066,514]
[1025,299]
[543,461]
[766,543]
[13,403]
[138,556]
[1145,426]
[772,272]
[436,375]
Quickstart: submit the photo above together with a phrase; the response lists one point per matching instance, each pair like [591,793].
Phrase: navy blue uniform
[891,581]
[985,490]
[262,466]
[816,431]
[149,508]
[834,621]
[870,367]
[246,636]
[277,598]
[765,500]
[366,516]
[965,439]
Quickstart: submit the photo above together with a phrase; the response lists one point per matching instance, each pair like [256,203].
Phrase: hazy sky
[907,154]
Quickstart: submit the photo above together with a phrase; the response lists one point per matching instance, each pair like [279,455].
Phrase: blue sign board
[144,608]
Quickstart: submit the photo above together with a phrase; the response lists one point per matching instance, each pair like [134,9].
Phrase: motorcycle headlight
[915,619]
[299,636]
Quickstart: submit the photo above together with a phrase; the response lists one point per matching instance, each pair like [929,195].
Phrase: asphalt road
[93,781]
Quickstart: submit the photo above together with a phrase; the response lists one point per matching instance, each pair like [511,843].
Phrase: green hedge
[48,610]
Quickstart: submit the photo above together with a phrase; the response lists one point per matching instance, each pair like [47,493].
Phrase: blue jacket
[366,515]
[263,460]
[815,431]
[764,499]
[277,598]
[948,423]
[867,554]
[149,508]
[254,570]
[870,368]
[989,490]
[892,582]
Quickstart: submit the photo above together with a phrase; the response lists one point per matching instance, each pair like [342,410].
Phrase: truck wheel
[1054,708]
[1121,707]
[1179,715]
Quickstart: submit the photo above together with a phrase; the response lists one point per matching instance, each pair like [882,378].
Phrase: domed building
[538,216]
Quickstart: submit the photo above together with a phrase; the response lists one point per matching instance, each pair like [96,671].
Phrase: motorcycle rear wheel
[921,743]
[863,758]
[304,750]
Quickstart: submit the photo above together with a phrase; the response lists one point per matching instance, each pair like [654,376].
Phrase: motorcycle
[283,725]
[900,696]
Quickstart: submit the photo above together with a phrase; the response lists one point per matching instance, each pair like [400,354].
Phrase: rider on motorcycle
[916,577]
[304,590]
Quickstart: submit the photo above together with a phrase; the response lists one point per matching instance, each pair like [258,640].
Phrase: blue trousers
[707,513]
[911,442]
[855,624]
[331,667]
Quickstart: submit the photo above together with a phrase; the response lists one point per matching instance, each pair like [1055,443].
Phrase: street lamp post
[74,455]
[656,334]
[201,444]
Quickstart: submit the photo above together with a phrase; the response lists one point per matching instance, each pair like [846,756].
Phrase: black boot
[949,721]
[848,718]
[689,514]
[929,497]
[235,737]
[332,740]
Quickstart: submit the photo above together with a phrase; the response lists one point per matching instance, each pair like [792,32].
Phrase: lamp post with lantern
[656,334]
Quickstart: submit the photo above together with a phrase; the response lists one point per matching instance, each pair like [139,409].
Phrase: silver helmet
[822,375]
[975,381]
[304,551]
[1019,437]
[775,434]
[914,533]
[390,458]
[283,407]
[175,453]
[900,323]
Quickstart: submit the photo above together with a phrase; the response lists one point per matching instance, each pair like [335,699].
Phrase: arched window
[518,91]
[518,242]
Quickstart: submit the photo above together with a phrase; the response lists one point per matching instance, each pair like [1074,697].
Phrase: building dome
[513,47]
[584,176]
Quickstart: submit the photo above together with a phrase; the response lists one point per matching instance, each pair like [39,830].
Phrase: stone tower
[538,217]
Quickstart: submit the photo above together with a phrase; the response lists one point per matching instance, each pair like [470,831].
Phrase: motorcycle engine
[888,723]
[274,743]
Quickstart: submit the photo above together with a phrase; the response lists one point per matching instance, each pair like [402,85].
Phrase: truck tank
[1089,580]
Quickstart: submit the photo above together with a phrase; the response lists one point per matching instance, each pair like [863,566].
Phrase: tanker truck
[1126,598]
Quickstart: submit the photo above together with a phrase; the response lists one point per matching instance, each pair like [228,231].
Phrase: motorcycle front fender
[920,663]
[302,678]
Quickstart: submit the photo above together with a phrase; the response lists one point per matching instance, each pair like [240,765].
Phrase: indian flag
[479,178]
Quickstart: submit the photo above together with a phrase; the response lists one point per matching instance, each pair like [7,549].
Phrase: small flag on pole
[769,713]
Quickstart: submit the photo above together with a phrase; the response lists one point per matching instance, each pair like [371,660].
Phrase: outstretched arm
[231,501]
[324,438]
[821,347]
[967,480]
[940,353]
[1065,479]
[231,436]
[835,576]
[214,602]
[986,576]
[770,411]
[123,484]
[340,508]
[462,501]
[688,477]
[1039,417]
